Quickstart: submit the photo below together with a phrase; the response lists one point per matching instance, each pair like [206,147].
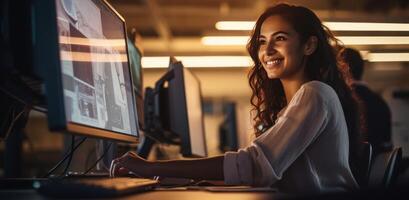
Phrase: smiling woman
[305,123]
[281,52]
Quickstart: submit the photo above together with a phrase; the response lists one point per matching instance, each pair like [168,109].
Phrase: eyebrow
[276,33]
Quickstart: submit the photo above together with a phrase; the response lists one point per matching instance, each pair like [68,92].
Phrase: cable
[100,158]
[70,158]
[36,108]
[12,96]
[15,118]
[65,158]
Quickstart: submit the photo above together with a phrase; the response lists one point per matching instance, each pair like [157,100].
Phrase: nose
[270,50]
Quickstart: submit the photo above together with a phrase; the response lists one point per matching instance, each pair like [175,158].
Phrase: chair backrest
[367,159]
[363,164]
[384,168]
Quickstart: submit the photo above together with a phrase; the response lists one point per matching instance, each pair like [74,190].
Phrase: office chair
[384,168]
[362,164]
[366,162]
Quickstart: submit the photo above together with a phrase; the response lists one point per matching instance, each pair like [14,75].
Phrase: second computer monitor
[185,111]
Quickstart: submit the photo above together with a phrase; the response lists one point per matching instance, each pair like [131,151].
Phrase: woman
[305,119]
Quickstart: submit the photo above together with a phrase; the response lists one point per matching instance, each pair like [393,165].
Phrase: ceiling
[175,27]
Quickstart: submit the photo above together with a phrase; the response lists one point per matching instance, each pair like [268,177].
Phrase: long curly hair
[324,65]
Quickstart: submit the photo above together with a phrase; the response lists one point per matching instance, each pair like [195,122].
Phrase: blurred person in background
[376,122]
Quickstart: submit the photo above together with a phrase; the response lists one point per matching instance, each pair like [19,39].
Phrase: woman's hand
[130,163]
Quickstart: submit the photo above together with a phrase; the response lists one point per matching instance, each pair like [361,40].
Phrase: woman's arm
[203,168]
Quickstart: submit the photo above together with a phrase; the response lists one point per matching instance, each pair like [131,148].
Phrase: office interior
[192,31]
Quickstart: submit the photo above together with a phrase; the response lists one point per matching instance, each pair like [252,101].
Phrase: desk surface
[163,194]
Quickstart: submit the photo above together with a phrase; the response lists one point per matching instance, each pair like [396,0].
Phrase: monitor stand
[101,169]
[145,147]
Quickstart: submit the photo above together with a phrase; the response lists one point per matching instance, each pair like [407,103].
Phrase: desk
[158,195]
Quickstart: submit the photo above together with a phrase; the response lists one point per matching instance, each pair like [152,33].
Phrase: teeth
[273,62]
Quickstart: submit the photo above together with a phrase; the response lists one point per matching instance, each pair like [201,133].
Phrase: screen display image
[95,71]
[185,111]
[195,113]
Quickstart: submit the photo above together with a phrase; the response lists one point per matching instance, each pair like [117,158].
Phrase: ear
[310,45]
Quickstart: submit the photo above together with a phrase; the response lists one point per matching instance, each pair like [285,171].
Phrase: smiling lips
[274,62]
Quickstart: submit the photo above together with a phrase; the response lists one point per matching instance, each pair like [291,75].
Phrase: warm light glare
[334,26]
[235,25]
[155,62]
[245,61]
[374,40]
[199,61]
[92,42]
[362,26]
[224,40]
[92,57]
[346,40]
[388,57]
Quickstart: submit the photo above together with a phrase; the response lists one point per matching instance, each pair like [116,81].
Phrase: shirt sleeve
[266,159]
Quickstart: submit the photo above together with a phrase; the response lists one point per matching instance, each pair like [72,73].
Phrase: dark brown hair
[324,65]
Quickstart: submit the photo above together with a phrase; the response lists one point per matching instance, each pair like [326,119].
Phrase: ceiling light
[224,40]
[346,40]
[199,61]
[388,57]
[235,25]
[363,26]
[245,61]
[334,26]
[374,40]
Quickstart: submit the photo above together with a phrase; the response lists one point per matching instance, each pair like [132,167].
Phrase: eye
[261,41]
[281,38]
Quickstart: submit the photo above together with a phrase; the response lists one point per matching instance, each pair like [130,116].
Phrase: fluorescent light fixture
[245,61]
[347,40]
[388,57]
[235,25]
[334,26]
[155,61]
[199,61]
[363,26]
[374,40]
[364,54]
[224,40]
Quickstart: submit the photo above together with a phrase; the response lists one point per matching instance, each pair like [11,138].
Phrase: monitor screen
[228,129]
[135,57]
[94,71]
[185,110]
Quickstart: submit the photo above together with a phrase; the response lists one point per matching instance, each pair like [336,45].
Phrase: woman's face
[280,50]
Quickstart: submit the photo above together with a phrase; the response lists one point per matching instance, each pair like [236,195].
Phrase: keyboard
[93,187]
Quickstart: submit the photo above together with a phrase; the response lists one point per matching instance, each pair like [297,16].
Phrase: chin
[272,76]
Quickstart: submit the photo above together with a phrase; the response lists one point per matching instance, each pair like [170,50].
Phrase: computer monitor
[135,57]
[185,111]
[228,129]
[173,112]
[81,51]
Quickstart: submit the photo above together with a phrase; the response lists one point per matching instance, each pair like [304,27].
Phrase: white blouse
[305,151]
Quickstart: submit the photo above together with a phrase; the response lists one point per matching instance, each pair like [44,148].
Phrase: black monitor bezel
[47,60]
